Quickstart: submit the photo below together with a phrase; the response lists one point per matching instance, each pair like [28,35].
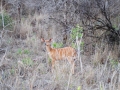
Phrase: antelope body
[68,53]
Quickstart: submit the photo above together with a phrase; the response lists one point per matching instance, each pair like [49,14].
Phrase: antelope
[68,53]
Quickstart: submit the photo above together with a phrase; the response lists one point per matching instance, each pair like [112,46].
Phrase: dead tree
[97,15]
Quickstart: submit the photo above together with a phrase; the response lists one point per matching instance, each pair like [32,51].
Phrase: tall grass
[25,66]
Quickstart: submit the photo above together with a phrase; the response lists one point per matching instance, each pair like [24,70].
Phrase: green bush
[79,88]
[7,20]
[19,51]
[57,45]
[115,26]
[49,60]
[26,51]
[114,63]
[27,61]
[77,31]
[12,71]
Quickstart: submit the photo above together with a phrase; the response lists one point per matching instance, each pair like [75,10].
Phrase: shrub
[114,63]
[57,45]
[12,71]
[77,31]
[79,88]
[19,51]
[27,61]
[7,20]
[26,51]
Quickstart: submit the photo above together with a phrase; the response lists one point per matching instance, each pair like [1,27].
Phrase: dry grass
[25,65]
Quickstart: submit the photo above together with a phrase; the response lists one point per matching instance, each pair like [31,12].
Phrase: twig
[3,58]
[2,50]
[79,52]
[69,77]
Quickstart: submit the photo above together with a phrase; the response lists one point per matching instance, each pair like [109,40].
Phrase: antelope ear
[42,39]
[50,40]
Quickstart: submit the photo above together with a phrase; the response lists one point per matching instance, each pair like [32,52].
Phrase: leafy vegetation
[57,45]
[77,31]
[12,71]
[7,20]
[25,51]
[114,63]
[27,61]
[79,88]
[19,51]
[18,71]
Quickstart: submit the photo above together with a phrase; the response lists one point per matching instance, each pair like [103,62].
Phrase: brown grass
[24,64]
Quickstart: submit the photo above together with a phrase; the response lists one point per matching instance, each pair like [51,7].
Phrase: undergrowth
[27,66]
